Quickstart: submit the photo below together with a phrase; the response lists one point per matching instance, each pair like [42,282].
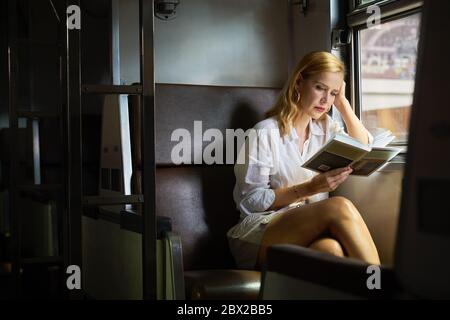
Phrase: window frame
[357,4]
[356,21]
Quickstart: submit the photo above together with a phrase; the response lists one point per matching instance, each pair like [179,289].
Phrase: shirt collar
[316,128]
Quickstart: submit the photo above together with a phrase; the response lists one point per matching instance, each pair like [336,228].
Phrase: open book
[382,137]
[342,151]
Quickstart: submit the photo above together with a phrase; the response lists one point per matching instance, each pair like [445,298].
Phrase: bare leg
[328,245]
[336,216]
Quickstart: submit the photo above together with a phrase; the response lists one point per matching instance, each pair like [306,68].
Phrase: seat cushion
[222,284]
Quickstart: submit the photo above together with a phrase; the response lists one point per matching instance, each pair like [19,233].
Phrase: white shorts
[245,247]
[245,238]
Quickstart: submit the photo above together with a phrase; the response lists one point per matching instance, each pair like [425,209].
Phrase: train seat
[197,196]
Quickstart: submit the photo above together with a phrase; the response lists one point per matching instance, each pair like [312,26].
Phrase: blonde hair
[285,109]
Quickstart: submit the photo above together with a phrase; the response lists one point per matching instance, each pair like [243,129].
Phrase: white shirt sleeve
[336,127]
[253,176]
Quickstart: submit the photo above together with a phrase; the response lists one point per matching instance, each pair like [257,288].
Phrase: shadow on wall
[217,187]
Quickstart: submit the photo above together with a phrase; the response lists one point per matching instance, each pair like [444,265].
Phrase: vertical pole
[14,210]
[73,152]
[146,29]
[36,151]
[115,45]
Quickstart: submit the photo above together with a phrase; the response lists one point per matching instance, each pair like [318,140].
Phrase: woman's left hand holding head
[341,101]
[354,125]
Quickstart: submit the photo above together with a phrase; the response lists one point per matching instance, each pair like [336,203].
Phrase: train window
[387,56]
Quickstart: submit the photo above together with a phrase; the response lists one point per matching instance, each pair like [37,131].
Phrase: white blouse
[273,162]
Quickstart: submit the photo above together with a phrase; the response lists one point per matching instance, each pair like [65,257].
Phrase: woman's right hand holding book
[329,181]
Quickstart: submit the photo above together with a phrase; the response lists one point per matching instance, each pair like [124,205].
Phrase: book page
[374,160]
[366,167]
[327,161]
[339,152]
[345,150]
[381,137]
[382,142]
[382,153]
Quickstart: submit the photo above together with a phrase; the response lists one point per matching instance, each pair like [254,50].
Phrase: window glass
[388,65]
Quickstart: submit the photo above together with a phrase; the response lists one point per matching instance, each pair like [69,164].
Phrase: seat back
[199,197]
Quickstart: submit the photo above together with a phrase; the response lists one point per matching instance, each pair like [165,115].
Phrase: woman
[281,202]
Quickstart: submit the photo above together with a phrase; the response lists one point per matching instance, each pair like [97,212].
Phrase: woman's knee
[340,208]
[328,245]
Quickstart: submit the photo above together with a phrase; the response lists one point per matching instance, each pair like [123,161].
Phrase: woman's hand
[341,101]
[330,180]
[354,126]
[324,182]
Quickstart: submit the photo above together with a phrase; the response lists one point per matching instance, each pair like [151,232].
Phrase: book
[382,137]
[344,151]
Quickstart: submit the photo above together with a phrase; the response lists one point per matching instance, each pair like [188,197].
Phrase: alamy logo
[374,21]
[257,146]
[73,17]
[74,278]
[374,281]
